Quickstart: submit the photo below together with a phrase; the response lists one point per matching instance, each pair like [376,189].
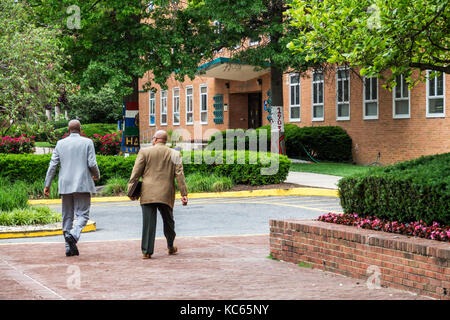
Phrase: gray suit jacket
[76,155]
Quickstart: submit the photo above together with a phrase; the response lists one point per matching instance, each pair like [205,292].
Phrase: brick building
[400,124]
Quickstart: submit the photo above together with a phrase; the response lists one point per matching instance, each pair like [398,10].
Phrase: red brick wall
[417,265]
[395,139]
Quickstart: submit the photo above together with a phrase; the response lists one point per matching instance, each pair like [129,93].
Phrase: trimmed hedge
[32,167]
[408,191]
[330,143]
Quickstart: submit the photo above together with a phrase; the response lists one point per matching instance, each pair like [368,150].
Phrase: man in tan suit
[158,166]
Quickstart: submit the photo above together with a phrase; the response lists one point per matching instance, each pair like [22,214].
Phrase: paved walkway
[225,267]
[313,179]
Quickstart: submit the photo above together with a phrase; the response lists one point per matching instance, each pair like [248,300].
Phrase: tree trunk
[278,144]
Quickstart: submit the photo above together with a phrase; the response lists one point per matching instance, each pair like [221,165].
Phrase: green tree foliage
[31,73]
[375,35]
[96,107]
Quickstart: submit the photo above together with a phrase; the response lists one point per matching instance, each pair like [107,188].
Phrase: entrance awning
[225,68]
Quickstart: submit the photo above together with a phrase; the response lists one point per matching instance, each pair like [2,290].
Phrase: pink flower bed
[104,145]
[107,145]
[416,229]
[21,144]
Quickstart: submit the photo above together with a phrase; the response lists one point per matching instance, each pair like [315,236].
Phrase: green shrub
[29,216]
[89,129]
[96,106]
[115,186]
[198,182]
[32,167]
[330,143]
[12,195]
[409,191]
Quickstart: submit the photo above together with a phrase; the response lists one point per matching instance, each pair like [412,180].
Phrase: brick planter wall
[407,263]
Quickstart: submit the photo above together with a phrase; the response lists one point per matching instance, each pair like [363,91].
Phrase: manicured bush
[409,191]
[330,143]
[21,144]
[245,170]
[90,129]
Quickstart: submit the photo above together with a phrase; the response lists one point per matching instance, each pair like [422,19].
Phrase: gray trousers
[75,205]
[149,212]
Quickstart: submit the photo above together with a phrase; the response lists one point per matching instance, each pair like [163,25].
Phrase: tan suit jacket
[159,166]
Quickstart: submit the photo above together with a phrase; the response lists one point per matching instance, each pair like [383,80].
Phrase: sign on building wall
[130,137]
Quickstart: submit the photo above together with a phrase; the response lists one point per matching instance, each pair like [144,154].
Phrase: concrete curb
[44,232]
[91,226]
[229,194]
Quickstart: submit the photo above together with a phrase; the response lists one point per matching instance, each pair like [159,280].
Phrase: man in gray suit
[78,170]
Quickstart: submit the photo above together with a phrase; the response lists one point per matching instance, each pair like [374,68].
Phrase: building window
[318,93]
[204,104]
[163,107]
[152,108]
[294,93]
[189,105]
[435,95]
[176,106]
[401,98]
[370,98]
[343,94]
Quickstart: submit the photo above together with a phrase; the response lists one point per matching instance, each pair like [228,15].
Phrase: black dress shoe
[72,244]
[68,252]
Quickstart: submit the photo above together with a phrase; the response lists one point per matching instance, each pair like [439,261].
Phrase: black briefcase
[135,191]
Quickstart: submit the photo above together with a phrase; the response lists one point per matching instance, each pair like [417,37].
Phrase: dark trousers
[149,212]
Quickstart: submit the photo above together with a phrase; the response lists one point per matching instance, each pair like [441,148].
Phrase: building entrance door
[254,110]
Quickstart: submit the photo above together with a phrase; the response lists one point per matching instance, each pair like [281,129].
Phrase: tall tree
[31,73]
[375,35]
[197,29]
[119,41]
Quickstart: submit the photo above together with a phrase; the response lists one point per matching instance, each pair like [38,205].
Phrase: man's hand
[95,178]
[47,192]
[184,200]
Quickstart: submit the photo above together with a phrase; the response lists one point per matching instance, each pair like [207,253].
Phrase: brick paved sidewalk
[226,267]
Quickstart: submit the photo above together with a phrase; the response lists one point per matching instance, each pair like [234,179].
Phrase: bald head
[161,136]
[74,126]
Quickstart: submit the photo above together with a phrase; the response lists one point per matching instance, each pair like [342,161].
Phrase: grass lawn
[44,144]
[331,168]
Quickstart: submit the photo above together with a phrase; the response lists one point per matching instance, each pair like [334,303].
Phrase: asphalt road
[201,217]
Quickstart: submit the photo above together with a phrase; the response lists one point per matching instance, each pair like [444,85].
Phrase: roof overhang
[225,68]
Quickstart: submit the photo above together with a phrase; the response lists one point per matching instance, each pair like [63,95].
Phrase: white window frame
[189,97]
[338,103]
[402,98]
[201,103]
[313,82]
[175,102]
[371,100]
[151,108]
[163,106]
[291,87]
[435,115]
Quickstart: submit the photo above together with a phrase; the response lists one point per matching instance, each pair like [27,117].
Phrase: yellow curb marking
[91,226]
[317,192]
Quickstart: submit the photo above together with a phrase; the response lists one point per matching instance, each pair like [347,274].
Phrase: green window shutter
[218,108]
